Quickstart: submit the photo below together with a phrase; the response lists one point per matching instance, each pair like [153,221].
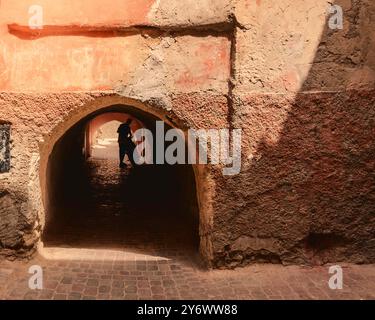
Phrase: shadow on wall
[309,196]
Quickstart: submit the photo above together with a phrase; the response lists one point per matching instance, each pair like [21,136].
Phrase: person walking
[126,144]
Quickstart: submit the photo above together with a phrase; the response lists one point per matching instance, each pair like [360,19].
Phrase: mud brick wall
[302,94]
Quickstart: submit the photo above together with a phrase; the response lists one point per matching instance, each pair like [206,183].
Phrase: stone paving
[91,274]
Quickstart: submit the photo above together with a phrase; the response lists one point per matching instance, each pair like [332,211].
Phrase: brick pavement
[92,274]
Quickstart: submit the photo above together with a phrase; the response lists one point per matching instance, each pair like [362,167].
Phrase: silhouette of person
[126,144]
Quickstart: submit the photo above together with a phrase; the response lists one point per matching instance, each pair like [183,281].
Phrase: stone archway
[96,106]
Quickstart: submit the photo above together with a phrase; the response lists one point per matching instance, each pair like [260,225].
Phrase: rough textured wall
[302,93]
[304,96]
[171,62]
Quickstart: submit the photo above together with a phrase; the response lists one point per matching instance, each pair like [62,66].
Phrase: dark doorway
[94,204]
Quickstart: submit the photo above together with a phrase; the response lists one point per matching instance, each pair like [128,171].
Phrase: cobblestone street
[104,274]
[187,150]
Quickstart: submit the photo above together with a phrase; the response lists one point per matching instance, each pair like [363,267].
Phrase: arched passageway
[101,134]
[91,203]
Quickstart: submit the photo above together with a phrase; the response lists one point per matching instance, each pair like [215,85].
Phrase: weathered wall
[303,95]
[131,49]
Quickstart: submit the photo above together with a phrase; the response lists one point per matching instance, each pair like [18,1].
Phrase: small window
[4,146]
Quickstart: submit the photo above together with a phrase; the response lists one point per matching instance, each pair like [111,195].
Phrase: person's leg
[122,151]
[130,154]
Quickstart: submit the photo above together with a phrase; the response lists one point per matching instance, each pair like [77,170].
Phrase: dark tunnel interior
[93,203]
